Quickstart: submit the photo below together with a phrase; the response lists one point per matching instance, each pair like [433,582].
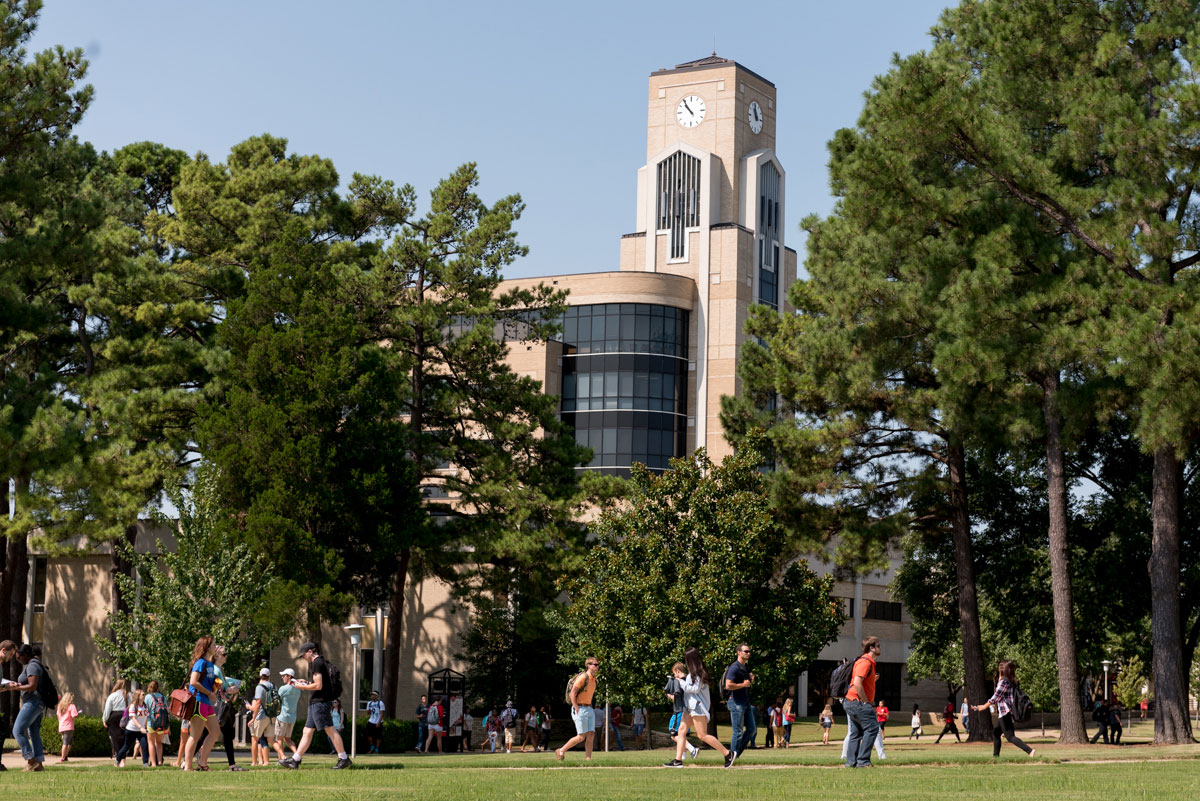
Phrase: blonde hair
[139,699]
[65,702]
[119,685]
[828,710]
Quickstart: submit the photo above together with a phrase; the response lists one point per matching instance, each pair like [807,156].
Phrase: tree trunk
[391,657]
[121,566]
[968,605]
[1073,728]
[1171,723]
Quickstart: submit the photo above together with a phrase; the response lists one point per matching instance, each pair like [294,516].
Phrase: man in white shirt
[375,710]
[639,725]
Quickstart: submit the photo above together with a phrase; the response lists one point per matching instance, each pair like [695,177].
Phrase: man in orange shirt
[579,694]
[859,706]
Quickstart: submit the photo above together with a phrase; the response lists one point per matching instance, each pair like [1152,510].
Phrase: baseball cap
[287,672]
[305,648]
[265,672]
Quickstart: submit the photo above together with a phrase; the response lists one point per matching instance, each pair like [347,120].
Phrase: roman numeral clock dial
[690,111]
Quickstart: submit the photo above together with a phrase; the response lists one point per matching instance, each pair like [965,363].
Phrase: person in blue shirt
[202,687]
[738,679]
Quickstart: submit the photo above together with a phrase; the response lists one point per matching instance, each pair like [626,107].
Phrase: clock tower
[710,206]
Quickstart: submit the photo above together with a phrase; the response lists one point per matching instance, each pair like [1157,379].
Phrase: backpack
[432,715]
[46,689]
[1022,706]
[156,710]
[839,682]
[571,683]
[335,681]
[272,703]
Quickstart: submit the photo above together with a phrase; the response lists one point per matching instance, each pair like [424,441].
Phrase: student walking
[1114,723]
[435,723]
[826,723]
[881,716]
[964,715]
[675,693]
[66,712]
[202,686]
[531,730]
[375,710]
[114,710]
[136,719]
[579,695]
[158,722]
[1002,701]
[859,706]
[697,710]
[916,723]
[949,727]
[262,722]
[422,722]
[738,679]
[789,717]
[547,725]
[320,684]
[27,729]
[285,723]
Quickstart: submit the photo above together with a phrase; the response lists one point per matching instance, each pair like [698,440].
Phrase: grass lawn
[912,771]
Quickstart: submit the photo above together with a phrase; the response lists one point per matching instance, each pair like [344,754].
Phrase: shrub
[398,735]
[91,736]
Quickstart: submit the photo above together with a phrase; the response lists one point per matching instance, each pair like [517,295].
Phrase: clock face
[755,116]
[690,111]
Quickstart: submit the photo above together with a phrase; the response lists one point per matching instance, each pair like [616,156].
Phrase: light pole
[355,630]
[1106,663]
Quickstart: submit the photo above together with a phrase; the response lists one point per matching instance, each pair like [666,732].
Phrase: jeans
[741,718]
[131,738]
[878,741]
[863,730]
[422,734]
[617,734]
[28,730]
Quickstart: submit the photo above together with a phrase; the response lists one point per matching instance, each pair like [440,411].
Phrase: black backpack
[839,682]
[45,688]
[335,681]
[1022,706]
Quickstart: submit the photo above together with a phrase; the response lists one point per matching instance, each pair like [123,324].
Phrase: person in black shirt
[319,712]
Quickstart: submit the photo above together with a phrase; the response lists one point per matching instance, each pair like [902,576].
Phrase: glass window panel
[641,385]
[570,329]
[610,440]
[624,440]
[625,383]
[657,326]
[581,438]
[628,325]
[610,384]
[668,388]
[583,380]
[568,386]
[624,402]
[641,328]
[568,404]
[655,385]
[597,329]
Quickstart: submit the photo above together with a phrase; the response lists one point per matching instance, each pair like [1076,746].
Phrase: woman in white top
[114,709]
[697,709]
[135,730]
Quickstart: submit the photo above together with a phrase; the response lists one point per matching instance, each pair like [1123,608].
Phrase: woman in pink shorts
[202,686]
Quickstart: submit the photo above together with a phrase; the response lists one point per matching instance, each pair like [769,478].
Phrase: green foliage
[398,736]
[695,557]
[91,736]
[1131,680]
[209,584]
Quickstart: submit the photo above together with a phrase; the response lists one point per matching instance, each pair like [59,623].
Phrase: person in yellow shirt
[579,695]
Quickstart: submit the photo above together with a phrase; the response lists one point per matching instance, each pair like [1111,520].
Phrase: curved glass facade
[624,391]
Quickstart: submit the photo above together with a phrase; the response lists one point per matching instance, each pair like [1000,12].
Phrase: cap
[287,672]
[509,704]
[374,692]
[265,672]
[305,648]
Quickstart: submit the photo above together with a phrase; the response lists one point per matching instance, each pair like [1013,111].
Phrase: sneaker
[342,764]
[237,768]
[730,759]
[693,750]
[289,763]
[674,763]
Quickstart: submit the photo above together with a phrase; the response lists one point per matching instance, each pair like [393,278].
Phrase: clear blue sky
[548,97]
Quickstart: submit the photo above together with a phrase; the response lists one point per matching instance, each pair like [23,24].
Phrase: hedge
[91,736]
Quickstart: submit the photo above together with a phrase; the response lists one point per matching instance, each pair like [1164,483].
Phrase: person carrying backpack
[263,709]
[325,684]
[158,722]
[580,690]
[33,684]
[435,718]
[1004,702]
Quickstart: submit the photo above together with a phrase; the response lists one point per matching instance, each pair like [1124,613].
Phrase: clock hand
[689,108]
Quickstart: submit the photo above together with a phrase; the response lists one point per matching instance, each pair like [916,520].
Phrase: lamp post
[1106,663]
[355,630]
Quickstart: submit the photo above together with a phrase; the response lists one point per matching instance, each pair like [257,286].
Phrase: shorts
[374,730]
[826,724]
[262,727]
[435,727]
[585,720]
[67,736]
[638,728]
[510,735]
[203,711]
[673,723]
[284,728]
[319,715]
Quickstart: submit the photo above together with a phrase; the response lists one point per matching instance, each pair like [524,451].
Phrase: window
[769,188]
[40,569]
[882,610]
[678,199]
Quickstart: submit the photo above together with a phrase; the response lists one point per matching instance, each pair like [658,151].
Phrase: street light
[355,630]
[1106,663]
